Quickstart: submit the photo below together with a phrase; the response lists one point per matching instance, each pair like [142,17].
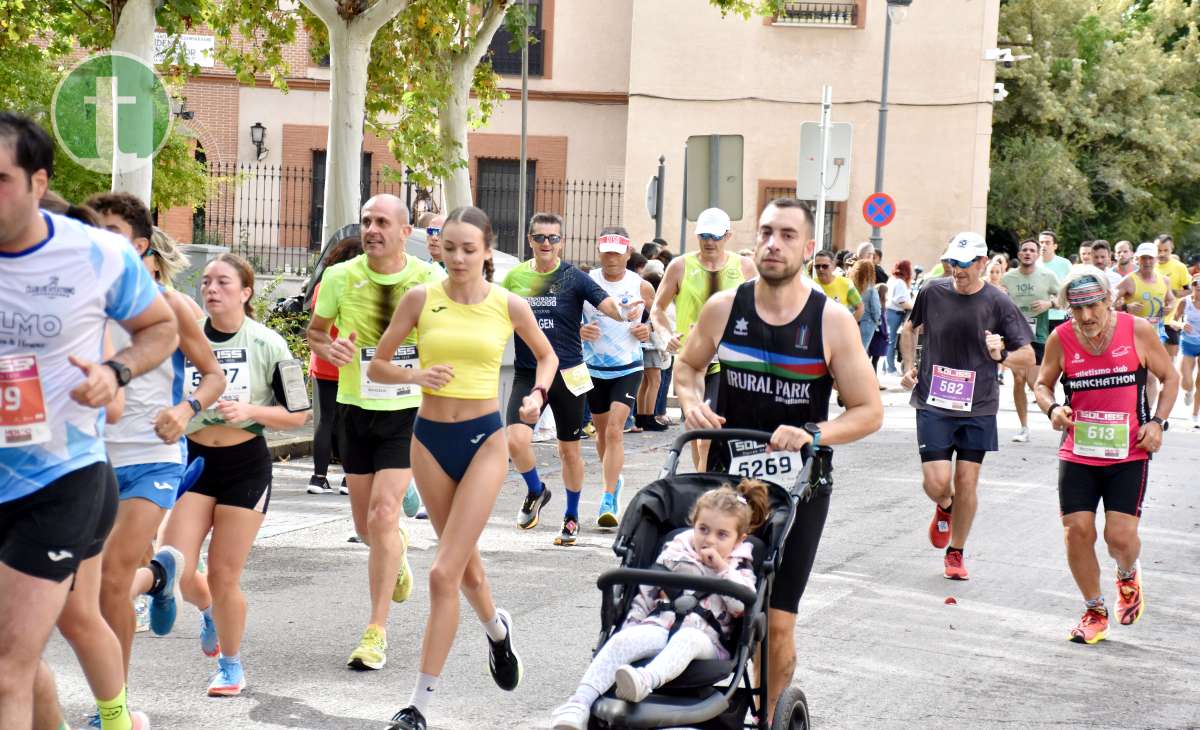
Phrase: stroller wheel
[791,711]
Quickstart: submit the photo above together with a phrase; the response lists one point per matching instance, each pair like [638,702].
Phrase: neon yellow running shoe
[404,578]
[371,652]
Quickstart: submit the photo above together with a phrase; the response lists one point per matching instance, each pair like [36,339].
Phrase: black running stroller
[710,694]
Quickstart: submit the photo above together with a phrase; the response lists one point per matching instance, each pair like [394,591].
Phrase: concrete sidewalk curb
[294,447]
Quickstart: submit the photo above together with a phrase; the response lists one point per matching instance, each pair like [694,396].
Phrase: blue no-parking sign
[879,209]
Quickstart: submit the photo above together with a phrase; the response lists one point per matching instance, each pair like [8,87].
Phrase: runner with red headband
[1105,358]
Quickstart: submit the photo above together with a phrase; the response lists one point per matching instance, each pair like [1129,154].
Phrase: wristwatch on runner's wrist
[195,404]
[814,430]
[1162,422]
[124,374]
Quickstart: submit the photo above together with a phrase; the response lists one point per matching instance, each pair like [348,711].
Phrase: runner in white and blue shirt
[146,446]
[60,282]
[612,350]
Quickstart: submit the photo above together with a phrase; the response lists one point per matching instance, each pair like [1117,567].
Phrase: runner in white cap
[966,327]
[689,281]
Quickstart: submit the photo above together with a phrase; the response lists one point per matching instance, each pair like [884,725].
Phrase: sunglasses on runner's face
[711,237]
[543,237]
[431,231]
[148,253]
[822,267]
[952,264]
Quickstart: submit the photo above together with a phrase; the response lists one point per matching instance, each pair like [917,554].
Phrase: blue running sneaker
[162,603]
[94,720]
[617,490]
[208,636]
[608,511]
[412,500]
[230,679]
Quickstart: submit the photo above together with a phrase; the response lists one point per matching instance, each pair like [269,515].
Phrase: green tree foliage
[1097,137]
[29,73]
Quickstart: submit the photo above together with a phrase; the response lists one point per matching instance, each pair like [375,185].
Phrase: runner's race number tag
[1101,434]
[751,460]
[235,363]
[577,379]
[951,389]
[405,357]
[22,402]
[1032,322]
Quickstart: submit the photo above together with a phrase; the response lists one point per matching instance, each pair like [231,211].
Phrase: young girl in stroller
[716,547]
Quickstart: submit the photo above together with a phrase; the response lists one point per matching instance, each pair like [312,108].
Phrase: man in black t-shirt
[966,327]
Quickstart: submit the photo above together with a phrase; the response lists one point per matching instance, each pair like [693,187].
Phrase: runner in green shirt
[374,420]
[1033,289]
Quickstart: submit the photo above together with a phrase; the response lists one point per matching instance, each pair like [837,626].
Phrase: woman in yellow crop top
[459,452]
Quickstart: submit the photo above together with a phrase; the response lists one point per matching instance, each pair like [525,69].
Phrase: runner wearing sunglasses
[556,291]
[433,240]
[688,282]
[965,328]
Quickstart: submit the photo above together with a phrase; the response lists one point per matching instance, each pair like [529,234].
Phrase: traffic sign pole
[826,104]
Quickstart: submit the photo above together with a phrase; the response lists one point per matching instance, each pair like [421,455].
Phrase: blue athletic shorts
[157,483]
[1189,348]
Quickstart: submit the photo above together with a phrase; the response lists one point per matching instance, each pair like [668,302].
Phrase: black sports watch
[195,405]
[1164,423]
[814,430]
[124,374]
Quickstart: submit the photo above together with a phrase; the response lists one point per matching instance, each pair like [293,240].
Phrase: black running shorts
[799,552]
[565,405]
[1122,486]
[48,533]
[235,476]
[371,441]
[617,390]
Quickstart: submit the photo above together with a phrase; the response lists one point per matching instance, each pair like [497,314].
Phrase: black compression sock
[160,577]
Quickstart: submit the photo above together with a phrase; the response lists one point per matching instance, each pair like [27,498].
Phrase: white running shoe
[1188,397]
[141,609]
[1021,436]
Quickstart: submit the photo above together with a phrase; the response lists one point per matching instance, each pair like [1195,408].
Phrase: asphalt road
[879,646]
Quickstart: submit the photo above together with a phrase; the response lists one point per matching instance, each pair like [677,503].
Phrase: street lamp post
[895,12]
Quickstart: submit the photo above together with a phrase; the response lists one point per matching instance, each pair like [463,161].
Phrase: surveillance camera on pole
[999,93]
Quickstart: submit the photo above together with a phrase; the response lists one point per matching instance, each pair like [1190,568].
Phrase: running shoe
[1195,420]
[229,680]
[371,652]
[1130,602]
[208,636]
[404,578]
[163,603]
[632,684]
[319,485]
[570,530]
[1092,628]
[410,718]
[93,720]
[1021,436]
[589,430]
[1188,397]
[954,568]
[422,513]
[139,720]
[503,661]
[344,489]
[412,500]
[939,528]
[570,716]
[141,612]
[608,511]
[531,509]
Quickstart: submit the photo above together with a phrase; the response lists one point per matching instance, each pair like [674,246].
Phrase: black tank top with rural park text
[773,375]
